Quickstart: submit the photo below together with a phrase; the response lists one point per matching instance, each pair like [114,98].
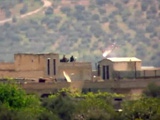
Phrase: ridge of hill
[84,28]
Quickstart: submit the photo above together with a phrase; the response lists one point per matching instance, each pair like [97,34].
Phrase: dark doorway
[105,72]
[54,66]
[48,66]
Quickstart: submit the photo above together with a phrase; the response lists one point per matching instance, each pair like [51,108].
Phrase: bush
[152,90]
[61,104]
[102,2]
[49,11]
[65,10]
[8,13]
[14,19]
[24,9]
[79,8]
[95,17]
[125,1]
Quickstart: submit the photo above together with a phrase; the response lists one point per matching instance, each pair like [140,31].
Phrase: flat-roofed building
[119,67]
[35,66]
[150,71]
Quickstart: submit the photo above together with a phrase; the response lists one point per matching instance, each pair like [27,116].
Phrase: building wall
[7,73]
[38,62]
[7,66]
[121,86]
[21,74]
[158,73]
[127,66]
[25,62]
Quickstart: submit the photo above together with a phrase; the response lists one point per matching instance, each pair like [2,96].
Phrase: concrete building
[111,68]
[124,68]
[35,66]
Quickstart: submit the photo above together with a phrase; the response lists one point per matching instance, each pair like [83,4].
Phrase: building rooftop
[123,59]
[36,54]
[149,68]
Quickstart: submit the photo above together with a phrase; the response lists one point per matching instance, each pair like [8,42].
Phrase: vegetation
[152,90]
[15,104]
[82,29]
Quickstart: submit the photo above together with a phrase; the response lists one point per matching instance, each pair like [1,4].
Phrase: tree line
[65,104]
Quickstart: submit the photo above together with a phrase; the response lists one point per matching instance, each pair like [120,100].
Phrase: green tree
[13,96]
[142,109]
[14,19]
[6,113]
[16,104]
[24,9]
[95,106]
[152,90]
[49,11]
[66,10]
[60,104]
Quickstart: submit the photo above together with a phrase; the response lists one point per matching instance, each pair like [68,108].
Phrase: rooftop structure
[123,59]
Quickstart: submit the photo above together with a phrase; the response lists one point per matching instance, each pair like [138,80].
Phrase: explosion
[67,76]
[106,53]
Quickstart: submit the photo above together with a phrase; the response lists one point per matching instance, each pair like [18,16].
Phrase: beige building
[124,68]
[35,66]
[111,68]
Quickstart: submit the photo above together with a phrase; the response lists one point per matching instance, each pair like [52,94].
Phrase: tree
[14,19]
[8,13]
[94,106]
[142,109]
[24,9]
[152,91]
[66,10]
[16,104]
[101,11]
[101,2]
[125,1]
[95,17]
[20,1]
[144,6]
[49,11]
[12,95]
[60,104]
[79,8]
[6,113]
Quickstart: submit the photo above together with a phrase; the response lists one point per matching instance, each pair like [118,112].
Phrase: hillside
[83,28]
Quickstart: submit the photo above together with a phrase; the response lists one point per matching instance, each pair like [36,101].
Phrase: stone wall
[7,66]
[24,62]
[123,86]
[21,74]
